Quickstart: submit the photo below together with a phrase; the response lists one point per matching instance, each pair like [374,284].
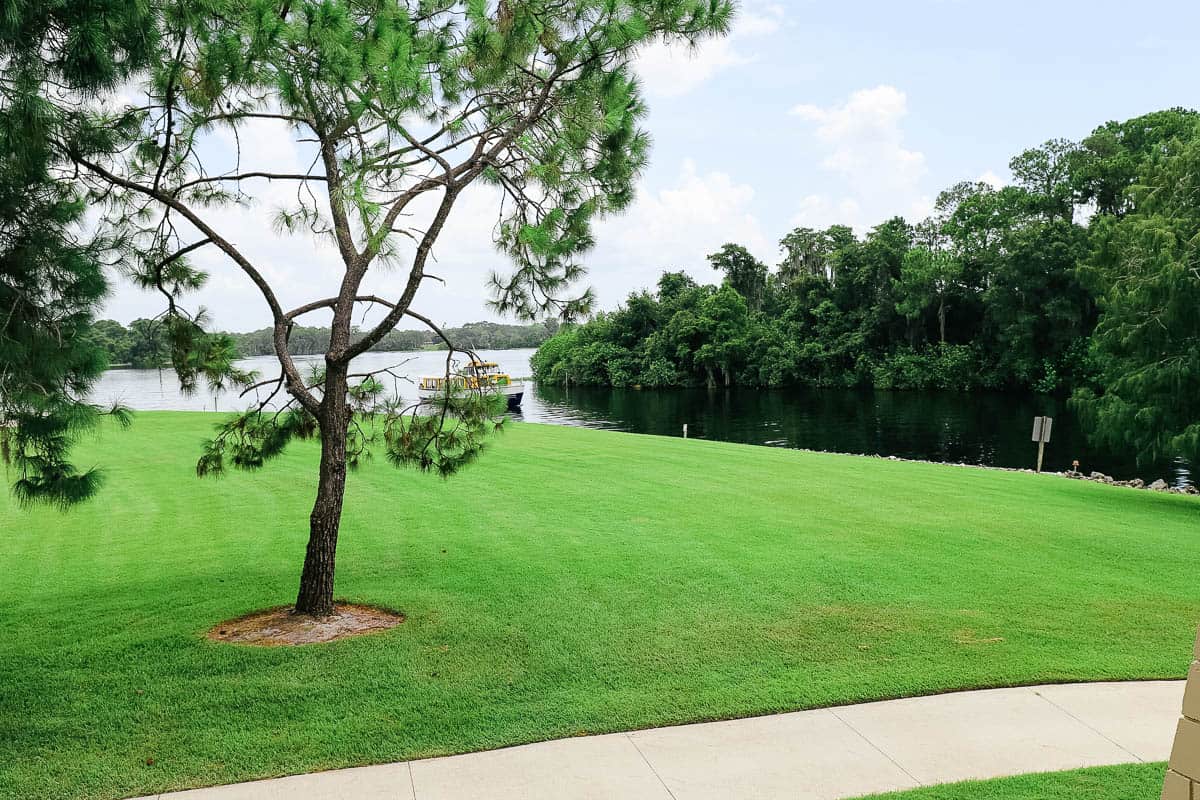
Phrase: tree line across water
[145,343]
[1035,285]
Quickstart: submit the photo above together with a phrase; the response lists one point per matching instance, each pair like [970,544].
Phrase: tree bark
[316,581]
[942,318]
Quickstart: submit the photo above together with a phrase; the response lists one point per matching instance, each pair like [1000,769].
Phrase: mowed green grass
[571,582]
[1125,782]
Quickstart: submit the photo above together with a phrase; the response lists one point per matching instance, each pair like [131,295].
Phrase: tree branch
[271,176]
[295,382]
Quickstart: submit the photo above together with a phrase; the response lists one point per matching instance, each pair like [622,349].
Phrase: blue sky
[810,113]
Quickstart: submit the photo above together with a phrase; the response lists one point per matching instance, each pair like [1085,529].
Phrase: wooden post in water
[1041,435]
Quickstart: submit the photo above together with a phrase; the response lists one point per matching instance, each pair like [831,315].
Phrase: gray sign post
[1041,435]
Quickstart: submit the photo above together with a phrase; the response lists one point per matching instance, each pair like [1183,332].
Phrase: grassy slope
[571,581]
[1126,782]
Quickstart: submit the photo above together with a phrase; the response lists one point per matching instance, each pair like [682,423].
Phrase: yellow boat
[475,376]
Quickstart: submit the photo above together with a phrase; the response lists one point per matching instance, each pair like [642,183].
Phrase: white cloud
[669,228]
[918,208]
[676,69]
[763,22]
[675,228]
[673,70]
[820,211]
[862,141]
[992,179]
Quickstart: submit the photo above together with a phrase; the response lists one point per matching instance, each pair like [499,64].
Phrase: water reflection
[992,429]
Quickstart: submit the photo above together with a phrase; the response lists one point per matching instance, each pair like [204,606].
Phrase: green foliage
[806,252]
[51,279]
[451,434]
[1034,305]
[927,278]
[746,274]
[950,367]
[442,435]
[1115,154]
[1144,265]
[248,440]
[38,446]
[1045,172]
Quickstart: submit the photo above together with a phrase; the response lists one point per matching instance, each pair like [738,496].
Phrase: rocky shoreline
[1159,485]
[1137,483]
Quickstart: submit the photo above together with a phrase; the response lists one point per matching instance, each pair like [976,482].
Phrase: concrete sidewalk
[826,754]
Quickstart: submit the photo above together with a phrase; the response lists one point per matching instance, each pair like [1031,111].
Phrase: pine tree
[56,57]
[402,107]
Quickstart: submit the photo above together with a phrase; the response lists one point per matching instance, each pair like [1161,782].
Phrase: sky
[810,113]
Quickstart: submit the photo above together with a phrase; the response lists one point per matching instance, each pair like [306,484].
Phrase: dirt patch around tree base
[279,626]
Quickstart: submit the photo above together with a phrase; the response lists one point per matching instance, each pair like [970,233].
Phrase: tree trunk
[942,318]
[712,384]
[316,581]
[728,376]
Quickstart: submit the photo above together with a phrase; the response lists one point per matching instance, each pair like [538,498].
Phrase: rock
[1137,483]
[1158,486]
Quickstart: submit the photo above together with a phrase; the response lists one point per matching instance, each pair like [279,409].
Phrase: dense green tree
[869,271]
[113,338]
[1148,338]
[673,285]
[1045,173]
[147,345]
[719,330]
[974,215]
[1113,156]
[471,336]
[1036,308]
[927,278]
[745,273]
[805,252]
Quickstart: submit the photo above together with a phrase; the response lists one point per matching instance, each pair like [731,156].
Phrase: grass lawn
[1126,782]
[572,581]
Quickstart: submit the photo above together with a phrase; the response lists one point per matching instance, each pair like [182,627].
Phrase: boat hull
[513,393]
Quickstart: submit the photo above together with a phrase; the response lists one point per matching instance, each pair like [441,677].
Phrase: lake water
[991,429]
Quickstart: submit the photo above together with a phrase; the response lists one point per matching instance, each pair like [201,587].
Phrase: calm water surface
[991,429]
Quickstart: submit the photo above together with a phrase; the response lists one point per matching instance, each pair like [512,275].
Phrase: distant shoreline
[429,349]
[144,342]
